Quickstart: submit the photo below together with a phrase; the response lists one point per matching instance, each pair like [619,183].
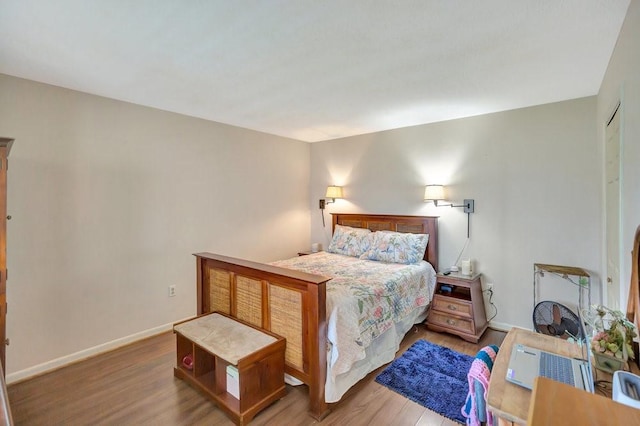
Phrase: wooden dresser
[5,147]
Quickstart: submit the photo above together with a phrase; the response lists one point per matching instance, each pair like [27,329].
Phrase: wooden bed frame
[290,303]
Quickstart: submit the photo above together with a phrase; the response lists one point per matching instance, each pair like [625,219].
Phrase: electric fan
[555,319]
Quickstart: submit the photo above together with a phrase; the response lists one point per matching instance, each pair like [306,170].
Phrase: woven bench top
[224,337]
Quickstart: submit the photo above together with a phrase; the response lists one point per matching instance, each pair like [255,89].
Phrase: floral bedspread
[364,299]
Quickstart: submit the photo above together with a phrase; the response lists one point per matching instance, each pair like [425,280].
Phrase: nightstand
[458,306]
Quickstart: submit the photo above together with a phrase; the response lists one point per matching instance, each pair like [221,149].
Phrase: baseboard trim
[500,326]
[54,364]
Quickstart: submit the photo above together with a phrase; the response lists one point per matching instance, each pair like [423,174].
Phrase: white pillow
[397,247]
[350,241]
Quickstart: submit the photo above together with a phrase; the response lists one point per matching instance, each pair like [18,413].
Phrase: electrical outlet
[172,290]
[489,286]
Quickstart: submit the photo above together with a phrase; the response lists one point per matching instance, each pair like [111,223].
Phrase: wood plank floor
[134,385]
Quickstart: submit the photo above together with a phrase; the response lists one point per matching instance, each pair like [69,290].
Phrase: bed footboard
[289,303]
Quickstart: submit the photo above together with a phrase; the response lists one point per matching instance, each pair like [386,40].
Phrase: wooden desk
[560,404]
[507,401]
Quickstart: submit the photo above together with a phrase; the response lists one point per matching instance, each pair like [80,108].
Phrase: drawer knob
[452,307]
[451,322]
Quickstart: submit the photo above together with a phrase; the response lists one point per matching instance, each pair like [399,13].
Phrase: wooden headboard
[384,222]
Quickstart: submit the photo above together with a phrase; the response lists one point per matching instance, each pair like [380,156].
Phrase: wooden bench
[210,343]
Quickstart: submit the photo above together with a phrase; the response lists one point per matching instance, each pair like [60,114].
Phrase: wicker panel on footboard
[287,302]
[286,310]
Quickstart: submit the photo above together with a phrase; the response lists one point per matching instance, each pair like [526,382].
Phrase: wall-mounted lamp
[333,192]
[435,193]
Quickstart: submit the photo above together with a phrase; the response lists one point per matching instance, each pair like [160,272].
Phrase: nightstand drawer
[451,322]
[452,305]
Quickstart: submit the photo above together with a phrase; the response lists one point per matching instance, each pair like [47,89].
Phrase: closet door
[5,146]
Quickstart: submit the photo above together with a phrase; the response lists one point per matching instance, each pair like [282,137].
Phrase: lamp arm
[469,205]
[435,203]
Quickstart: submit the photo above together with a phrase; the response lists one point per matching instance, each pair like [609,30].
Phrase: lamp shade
[433,192]
[334,192]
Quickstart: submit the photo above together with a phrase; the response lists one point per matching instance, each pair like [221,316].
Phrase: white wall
[534,174]
[109,201]
[622,84]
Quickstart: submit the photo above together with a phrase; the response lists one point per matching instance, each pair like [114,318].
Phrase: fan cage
[557,320]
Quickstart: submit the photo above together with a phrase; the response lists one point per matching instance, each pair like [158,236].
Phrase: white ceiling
[316,70]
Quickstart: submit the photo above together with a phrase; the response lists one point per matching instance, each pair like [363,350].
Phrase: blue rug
[431,375]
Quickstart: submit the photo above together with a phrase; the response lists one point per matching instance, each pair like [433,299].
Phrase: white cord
[461,251]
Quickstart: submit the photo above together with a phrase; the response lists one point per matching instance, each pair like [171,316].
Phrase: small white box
[233,382]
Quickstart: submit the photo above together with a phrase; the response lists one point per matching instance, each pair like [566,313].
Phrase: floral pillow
[350,241]
[397,247]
